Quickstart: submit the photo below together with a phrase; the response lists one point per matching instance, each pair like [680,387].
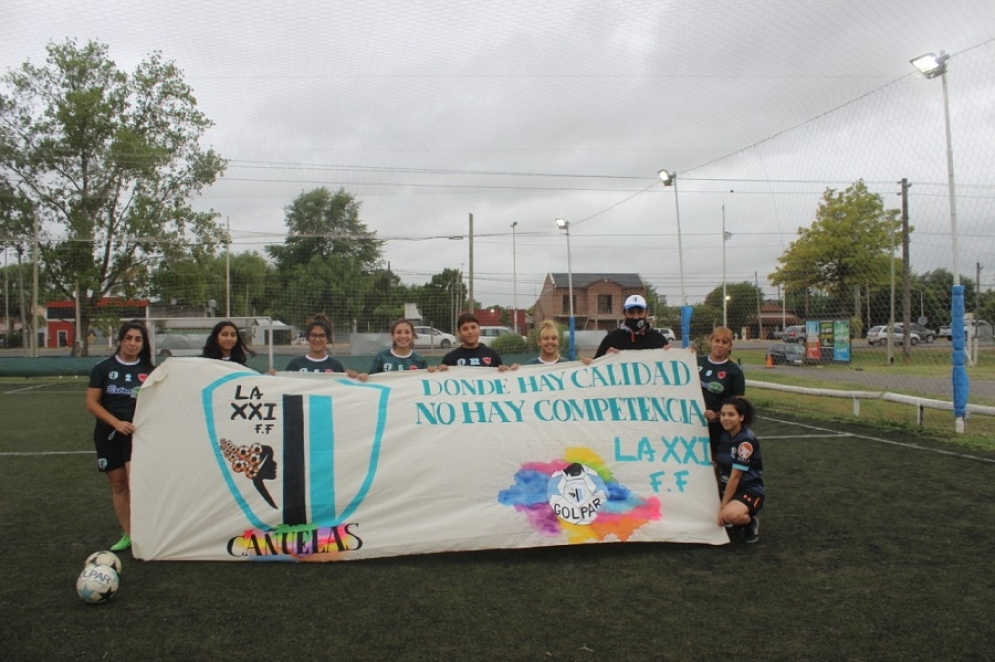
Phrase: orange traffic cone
[770,361]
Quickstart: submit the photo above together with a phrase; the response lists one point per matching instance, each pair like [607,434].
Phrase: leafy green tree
[384,299]
[442,299]
[195,279]
[328,261]
[108,161]
[936,286]
[741,309]
[849,244]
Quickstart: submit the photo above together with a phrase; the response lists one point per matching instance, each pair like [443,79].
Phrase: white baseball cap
[635,301]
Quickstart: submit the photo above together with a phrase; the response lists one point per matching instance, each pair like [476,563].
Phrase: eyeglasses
[317,336]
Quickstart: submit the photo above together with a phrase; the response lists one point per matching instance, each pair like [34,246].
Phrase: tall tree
[108,161]
[328,259]
[195,279]
[849,244]
[741,309]
[442,299]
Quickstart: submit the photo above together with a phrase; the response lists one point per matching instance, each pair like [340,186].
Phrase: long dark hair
[212,348]
[743,407]
[145,354]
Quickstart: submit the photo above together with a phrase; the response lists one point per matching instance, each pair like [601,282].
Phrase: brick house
[598,299]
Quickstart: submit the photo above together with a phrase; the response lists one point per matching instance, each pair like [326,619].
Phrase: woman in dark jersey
[111,398]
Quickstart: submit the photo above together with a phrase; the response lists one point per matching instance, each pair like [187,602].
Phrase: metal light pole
[514,278]
[726,236]
[564,225]
[931,65]
[670,179]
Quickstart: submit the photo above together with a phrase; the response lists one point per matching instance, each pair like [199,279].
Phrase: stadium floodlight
[668,178]
[931,65]
[564,225]
[935,66]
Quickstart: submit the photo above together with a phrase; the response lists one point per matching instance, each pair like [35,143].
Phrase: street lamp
[514,278]
[726,236]
[564,225]
[931,65]
[668,178]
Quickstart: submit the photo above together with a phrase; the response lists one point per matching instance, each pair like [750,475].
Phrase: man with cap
[634,332]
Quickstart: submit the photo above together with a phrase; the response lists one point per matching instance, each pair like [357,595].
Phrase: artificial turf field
[869,550]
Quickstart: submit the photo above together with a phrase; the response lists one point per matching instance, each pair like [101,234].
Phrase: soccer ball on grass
[104,557]
[97,584]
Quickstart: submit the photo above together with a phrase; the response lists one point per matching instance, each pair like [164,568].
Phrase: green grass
[924,362]
[868,551]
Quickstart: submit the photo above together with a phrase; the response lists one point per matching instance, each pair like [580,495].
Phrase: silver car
[426,336]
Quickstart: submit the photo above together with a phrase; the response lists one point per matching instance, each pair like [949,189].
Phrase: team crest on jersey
[113,374]
[487,360]
[576,494]
[744,451]
[722,375]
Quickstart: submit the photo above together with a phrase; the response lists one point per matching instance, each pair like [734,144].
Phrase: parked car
[980,328]
[786,354]
[489,333]
[927,335]
[426,336]
[668,333]
[188,343]
[878,335]
[794,334]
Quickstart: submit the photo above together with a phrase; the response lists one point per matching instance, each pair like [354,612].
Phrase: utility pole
[34,294]
[470,305]
[977,286]
[760,324]
[20,293]
[906,285]
[227,267]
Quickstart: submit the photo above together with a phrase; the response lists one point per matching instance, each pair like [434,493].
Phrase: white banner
[233,465]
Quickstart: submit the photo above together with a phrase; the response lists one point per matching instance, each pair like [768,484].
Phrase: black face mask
[636,324]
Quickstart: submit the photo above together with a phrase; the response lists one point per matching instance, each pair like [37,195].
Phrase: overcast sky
[527,111]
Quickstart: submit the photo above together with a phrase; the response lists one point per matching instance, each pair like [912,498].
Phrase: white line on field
[835,433]
[805,436]
[2,454]
[26,388]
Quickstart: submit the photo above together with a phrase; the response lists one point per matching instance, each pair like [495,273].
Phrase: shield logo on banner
[288,452]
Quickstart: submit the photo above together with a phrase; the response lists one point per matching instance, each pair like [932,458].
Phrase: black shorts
[113,448]
[753,502]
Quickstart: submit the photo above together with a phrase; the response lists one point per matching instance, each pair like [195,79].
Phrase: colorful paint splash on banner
[622,514]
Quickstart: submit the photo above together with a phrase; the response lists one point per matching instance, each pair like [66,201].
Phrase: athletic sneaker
[751,532]
[122,544]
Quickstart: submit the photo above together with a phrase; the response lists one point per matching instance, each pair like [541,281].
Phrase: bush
[510,344]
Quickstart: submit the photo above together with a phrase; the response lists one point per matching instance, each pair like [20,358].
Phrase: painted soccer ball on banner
[103,557]
[97,584]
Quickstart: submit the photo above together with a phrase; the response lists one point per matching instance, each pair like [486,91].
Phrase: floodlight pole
[514,278]
[668,178]
[564,225]
[933,66]
[725,297]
